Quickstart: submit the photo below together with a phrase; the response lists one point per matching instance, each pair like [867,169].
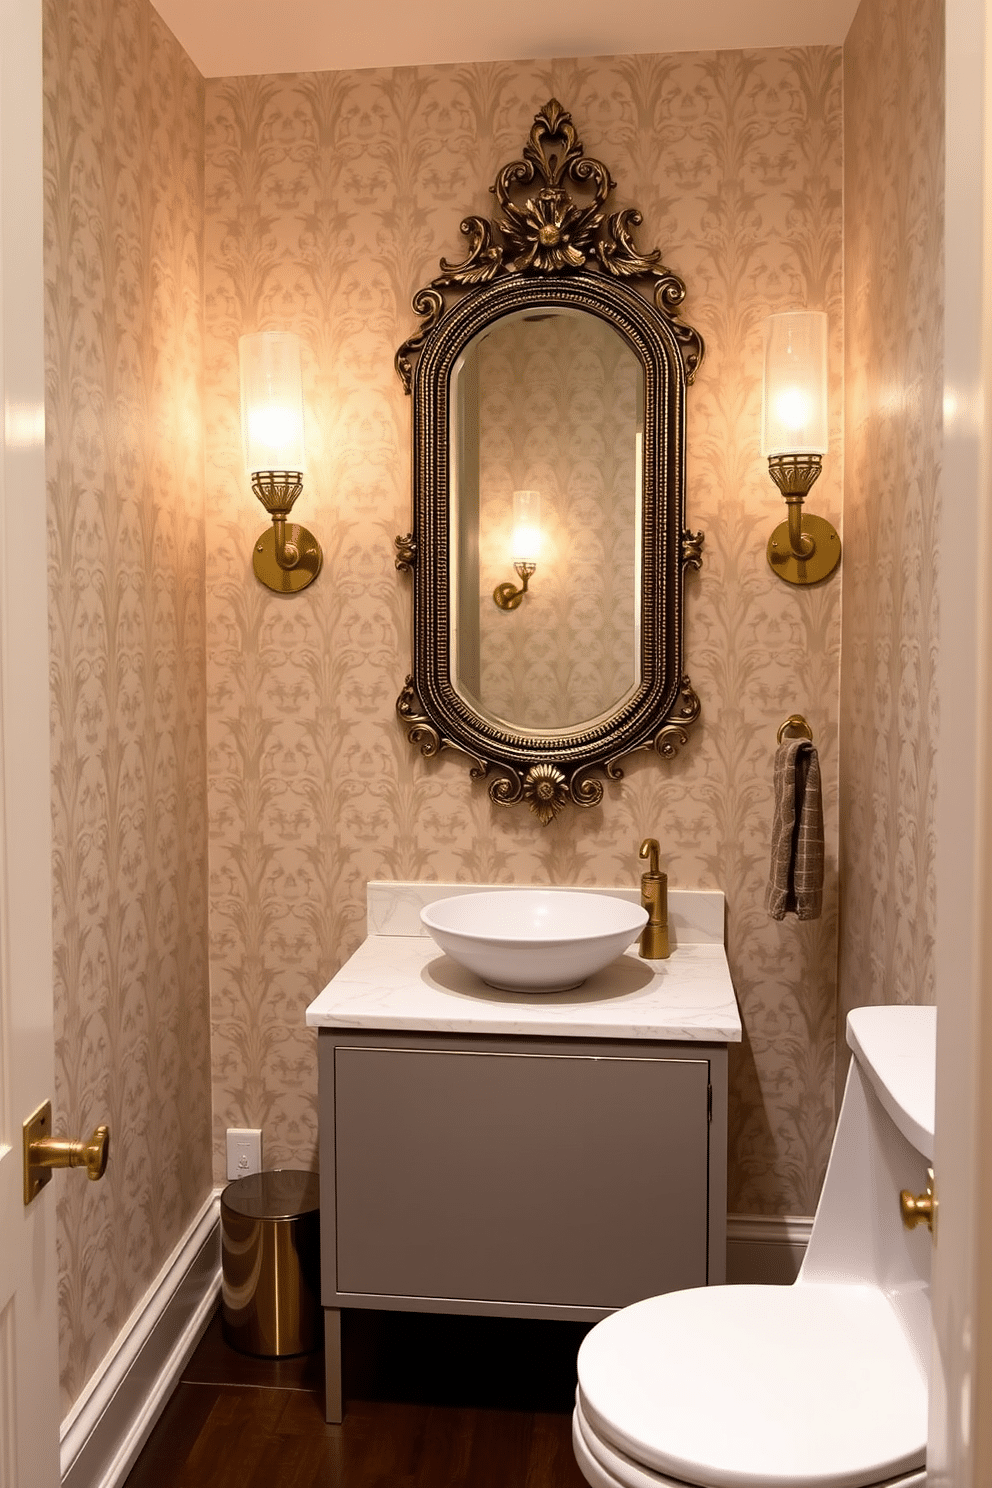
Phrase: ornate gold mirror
[549,543]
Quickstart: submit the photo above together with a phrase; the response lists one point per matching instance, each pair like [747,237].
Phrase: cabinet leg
[333,1397]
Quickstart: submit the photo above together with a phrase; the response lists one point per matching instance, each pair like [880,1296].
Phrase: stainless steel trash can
[270,1254]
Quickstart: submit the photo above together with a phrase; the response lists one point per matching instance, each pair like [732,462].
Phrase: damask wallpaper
[894,228]
[330,199]
[181,214]
[123,194]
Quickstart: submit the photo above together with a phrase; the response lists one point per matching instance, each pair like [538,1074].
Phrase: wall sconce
[804,549]
[526,547]
[286,558]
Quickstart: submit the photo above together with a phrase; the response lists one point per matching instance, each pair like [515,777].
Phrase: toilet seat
[681,1390]
[605,1467]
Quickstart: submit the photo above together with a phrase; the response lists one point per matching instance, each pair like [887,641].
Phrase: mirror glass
[547,400]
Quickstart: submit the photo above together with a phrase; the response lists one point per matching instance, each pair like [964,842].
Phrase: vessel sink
[533,940]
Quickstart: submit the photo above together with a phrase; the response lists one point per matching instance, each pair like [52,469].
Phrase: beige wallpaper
[329,199]
[894,305]
[123,190]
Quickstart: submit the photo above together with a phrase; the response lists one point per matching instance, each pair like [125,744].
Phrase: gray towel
[795,883]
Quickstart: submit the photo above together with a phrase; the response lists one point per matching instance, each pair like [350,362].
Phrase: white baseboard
[766,1250]
[111,1421]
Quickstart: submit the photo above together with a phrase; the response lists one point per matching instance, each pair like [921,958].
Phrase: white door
[959,1452]
[29,1403]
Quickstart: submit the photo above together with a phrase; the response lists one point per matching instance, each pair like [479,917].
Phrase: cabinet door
[561,1180]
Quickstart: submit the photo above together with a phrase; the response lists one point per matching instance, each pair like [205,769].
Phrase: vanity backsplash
[695,916]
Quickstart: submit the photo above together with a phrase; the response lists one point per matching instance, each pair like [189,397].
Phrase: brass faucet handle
[651,851]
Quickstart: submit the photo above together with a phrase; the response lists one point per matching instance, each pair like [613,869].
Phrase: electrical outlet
[244,1151]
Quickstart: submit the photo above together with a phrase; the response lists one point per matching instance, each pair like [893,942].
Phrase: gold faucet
[654,945]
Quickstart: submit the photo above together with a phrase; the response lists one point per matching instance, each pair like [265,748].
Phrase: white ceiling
[232,38]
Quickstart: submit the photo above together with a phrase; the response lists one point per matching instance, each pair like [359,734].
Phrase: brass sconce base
[304,570]
[820,563]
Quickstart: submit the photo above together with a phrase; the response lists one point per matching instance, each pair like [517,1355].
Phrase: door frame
[29,1395]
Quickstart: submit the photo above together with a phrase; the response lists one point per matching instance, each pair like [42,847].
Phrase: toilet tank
[883,1143]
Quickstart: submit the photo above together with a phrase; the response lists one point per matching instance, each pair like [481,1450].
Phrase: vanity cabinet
[551,1156]
[519,1176]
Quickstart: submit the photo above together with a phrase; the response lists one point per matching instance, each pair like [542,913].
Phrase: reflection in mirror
[548,400]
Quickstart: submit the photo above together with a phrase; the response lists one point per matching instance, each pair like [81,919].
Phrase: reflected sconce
[287,557]
[805,548]
[526,547]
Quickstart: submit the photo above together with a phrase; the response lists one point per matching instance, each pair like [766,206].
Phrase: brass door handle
[43,1152]
[917,1209]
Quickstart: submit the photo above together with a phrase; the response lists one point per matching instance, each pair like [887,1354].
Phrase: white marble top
[399,979]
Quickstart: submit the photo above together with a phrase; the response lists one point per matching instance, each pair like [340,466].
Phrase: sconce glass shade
[794,420]
[525,544]
[526,526]
[272,401]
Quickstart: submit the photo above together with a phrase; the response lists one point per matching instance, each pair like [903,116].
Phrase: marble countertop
[402,980]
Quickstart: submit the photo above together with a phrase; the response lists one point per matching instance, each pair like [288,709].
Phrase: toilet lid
[808,1386]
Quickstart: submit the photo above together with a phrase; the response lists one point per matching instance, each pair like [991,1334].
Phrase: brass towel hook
[795,724]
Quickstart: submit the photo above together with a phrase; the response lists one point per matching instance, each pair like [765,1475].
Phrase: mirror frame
[552,250]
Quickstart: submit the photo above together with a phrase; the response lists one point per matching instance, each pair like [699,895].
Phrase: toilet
[822,1384]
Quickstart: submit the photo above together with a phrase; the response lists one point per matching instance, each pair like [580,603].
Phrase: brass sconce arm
[506,596]
[288,557]
[801,543]
[795,476]
[802,549]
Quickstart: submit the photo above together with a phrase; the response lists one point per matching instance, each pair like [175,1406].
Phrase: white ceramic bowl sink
[534,940]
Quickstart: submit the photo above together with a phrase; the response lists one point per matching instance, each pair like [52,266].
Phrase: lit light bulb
[526,526]
[795,406]
[792,409]
[272,401]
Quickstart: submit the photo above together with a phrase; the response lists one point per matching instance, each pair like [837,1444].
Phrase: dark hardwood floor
[430,1402]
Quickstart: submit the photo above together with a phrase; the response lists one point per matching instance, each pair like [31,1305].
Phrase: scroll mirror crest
[550,267]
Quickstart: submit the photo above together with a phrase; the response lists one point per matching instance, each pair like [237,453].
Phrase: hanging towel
[795,883]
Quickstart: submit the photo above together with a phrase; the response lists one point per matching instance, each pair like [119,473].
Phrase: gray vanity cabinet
[524,1176]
